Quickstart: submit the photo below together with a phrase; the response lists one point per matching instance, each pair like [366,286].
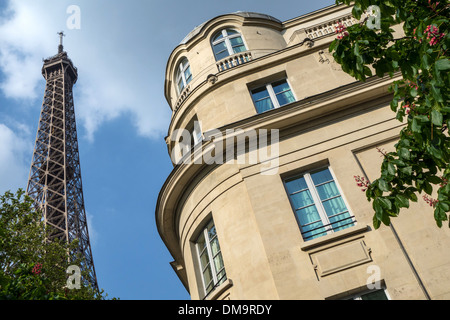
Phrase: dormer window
[227,42]
[183,75]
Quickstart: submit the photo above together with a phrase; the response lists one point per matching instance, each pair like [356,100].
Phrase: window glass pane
[207,278]
[180,85]
[321,176]
[218,36]
[219,47]
[218,263]
[280,86]
[285,98]
[204,259]
[211,231]
[296,185]
[197,135]
[301,199]
[215,248]
[237,44]
[327,190]
[239,49]
[222,54]
[260,93]
[307,216]
[313,230]
[376,295]
[264,105]
[221,276]
[334,206]
[188,75]
[184,63]
[231,31]
[283,92]
[341,221]
[236,41]
[201,244]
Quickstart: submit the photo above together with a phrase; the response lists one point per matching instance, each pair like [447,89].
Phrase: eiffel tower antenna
[60,47]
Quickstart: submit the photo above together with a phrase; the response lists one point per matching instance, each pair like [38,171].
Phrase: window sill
[219,290]
[334,237]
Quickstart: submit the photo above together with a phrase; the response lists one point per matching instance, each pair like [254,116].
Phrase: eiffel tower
[55,176]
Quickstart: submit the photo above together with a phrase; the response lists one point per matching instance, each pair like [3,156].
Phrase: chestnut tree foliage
[419,166]
[32,268]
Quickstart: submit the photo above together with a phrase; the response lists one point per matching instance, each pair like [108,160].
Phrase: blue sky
[120,50]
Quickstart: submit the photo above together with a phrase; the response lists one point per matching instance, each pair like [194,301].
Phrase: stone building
[266,136]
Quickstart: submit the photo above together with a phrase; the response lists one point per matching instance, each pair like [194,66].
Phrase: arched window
[227,42]
[183,75]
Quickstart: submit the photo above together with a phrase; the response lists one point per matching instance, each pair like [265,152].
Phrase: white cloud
[14,162]
[113,60]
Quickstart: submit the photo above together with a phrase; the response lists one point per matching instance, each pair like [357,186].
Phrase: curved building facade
[266,136]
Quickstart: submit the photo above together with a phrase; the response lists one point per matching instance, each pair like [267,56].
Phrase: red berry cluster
[431,202]
[432,6]
[444,182]
[433,34]
[408,107]
[342,30]
[37,269]
[361,182]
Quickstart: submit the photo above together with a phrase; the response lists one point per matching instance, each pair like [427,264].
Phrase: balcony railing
[234,60]
[341,224]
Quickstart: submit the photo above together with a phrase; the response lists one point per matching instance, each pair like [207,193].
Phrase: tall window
[210,258]
[318,204]
[183,75]
[195,131]
[227,42]
[272,95]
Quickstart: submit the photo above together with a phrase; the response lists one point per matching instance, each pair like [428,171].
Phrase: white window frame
[208,249]
[318,202]
[272,94]
[226,38]
[180,74]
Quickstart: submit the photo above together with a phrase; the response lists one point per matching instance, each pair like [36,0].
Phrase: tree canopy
[31,267]
[419,57]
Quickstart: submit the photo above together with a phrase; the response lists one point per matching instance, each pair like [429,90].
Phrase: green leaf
[376,222]
[391,169]
[404,153]
[416,126]
[386,203]
[427,188]
[443,64]
[402,201]
[406,170]
[409,193]
[425,62]
[436,91]
[383,185]
[436,117]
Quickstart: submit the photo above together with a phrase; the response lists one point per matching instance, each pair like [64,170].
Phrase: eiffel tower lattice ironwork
[55,176]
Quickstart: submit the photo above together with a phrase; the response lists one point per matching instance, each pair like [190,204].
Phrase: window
[318,204]
[379,294]
[226,43]
[195,131]
[273,95]
[183,75]
[210,258]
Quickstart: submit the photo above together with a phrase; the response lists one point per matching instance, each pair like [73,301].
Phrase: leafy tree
[32,268]
[419,57]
